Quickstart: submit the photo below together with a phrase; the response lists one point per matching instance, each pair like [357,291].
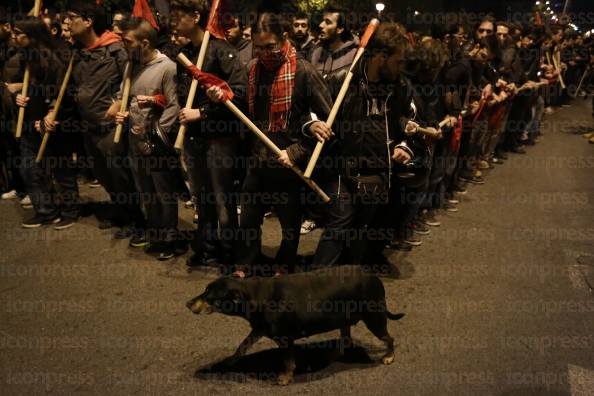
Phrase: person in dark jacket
[233,35]
[358,163]
[97,75]
[282,90]
[47,67]
[212,138]
[299,33]
[153,112]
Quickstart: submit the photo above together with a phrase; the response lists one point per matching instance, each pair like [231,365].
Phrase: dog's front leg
[286,377]
[246,344]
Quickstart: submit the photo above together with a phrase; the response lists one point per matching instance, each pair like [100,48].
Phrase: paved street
[498,301]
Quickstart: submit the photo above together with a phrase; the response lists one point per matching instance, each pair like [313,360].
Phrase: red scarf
[281,92]
[107,38]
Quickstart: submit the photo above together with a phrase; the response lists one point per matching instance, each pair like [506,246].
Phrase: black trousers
[211,166]
[156,179]
[111,166]
[266,186]
[57,165]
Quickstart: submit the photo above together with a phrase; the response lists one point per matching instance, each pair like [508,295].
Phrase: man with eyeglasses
[212,139]
[97,75]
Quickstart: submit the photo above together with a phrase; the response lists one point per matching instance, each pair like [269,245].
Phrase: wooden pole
[558,67]
[52,116]
[25,89]
[124,102]
[262,136]
[179,141]
[341,94]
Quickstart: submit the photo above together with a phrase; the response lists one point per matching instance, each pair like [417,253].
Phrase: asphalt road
[498,301]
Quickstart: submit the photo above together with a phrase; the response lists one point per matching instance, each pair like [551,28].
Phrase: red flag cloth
[141,9]
[215,24]
[537,19]
[107,38]
[160,101]
[457,135]
[208,80]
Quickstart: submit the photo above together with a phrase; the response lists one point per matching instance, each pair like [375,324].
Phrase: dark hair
[505,24]
[490,42]
[191,7]
[429,55]
[90,10]
[487,18]
[341,22]
[37,31]
[301,15]
[142,30]
[390,38]
[269,22]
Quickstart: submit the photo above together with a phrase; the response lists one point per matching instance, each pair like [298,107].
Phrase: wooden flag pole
[262,136]
[181,134]
[558,67]
[25,89]
[124,103]
[373,24]
[52,116]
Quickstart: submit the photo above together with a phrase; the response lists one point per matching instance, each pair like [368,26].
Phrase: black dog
[290,307]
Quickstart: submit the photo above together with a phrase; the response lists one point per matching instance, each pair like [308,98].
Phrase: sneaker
[458,189]
[12,194]
[413,241]
[496,160]
[37,221]
[475,180]
[450,207]
[308,226]
[400,245]
[162,251]
[138,240]
[64,223]
[26,202]
[518,150]
[453,201]
[95,184]
[478,173]
[419,228]
[430,220]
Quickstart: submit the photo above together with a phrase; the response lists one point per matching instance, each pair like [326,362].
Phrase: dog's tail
[392,316]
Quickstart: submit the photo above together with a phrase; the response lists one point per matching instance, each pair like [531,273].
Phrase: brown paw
[388,359]
[285,379]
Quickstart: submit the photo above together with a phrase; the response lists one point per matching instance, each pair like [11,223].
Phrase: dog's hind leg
[286,377]
[377,324]
[345,338]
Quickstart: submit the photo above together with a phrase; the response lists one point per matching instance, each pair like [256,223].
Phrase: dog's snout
[197,305]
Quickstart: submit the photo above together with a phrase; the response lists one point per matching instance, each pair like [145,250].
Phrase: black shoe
[459,189]
[38,221]
[138,239]
[64,223]
[475,180]
[162,251]
[400,245]
[201,259]
[450,207]
[413,241]
[123,233]
[419,228]
[105,224]
[518,150]
[496,160]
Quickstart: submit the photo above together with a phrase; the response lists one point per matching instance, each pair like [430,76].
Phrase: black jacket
[309,95]
[97,76]
[223,61]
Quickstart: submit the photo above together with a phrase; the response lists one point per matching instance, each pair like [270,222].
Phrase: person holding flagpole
[213,132]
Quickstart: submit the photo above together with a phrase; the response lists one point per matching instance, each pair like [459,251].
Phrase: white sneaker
[308,226]
[26,202]
[12,194]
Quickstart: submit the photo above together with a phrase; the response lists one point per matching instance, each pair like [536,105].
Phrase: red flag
[142,10]
[537,19]
[208,80]
[215,25]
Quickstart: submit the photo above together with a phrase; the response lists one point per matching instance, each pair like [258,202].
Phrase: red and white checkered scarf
[281,92]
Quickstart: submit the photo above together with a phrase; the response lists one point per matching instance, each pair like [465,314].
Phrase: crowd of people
[428,111]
